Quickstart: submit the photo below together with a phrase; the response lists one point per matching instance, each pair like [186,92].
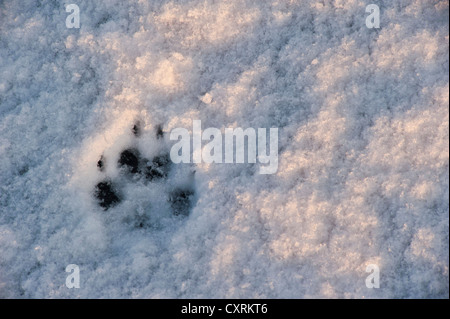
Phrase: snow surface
[363,124]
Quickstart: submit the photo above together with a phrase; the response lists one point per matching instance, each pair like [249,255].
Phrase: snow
[363,170]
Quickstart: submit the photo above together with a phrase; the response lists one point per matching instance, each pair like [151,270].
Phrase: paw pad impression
[157,169]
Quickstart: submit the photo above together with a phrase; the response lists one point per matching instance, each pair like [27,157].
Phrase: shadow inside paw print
[106,194]
[131,163]
[181,200]
[158,168]
[129,160]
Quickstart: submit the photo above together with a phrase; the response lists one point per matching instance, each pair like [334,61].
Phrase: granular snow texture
[363,176]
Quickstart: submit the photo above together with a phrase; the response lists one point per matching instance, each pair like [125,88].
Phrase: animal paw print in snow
[132,164]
